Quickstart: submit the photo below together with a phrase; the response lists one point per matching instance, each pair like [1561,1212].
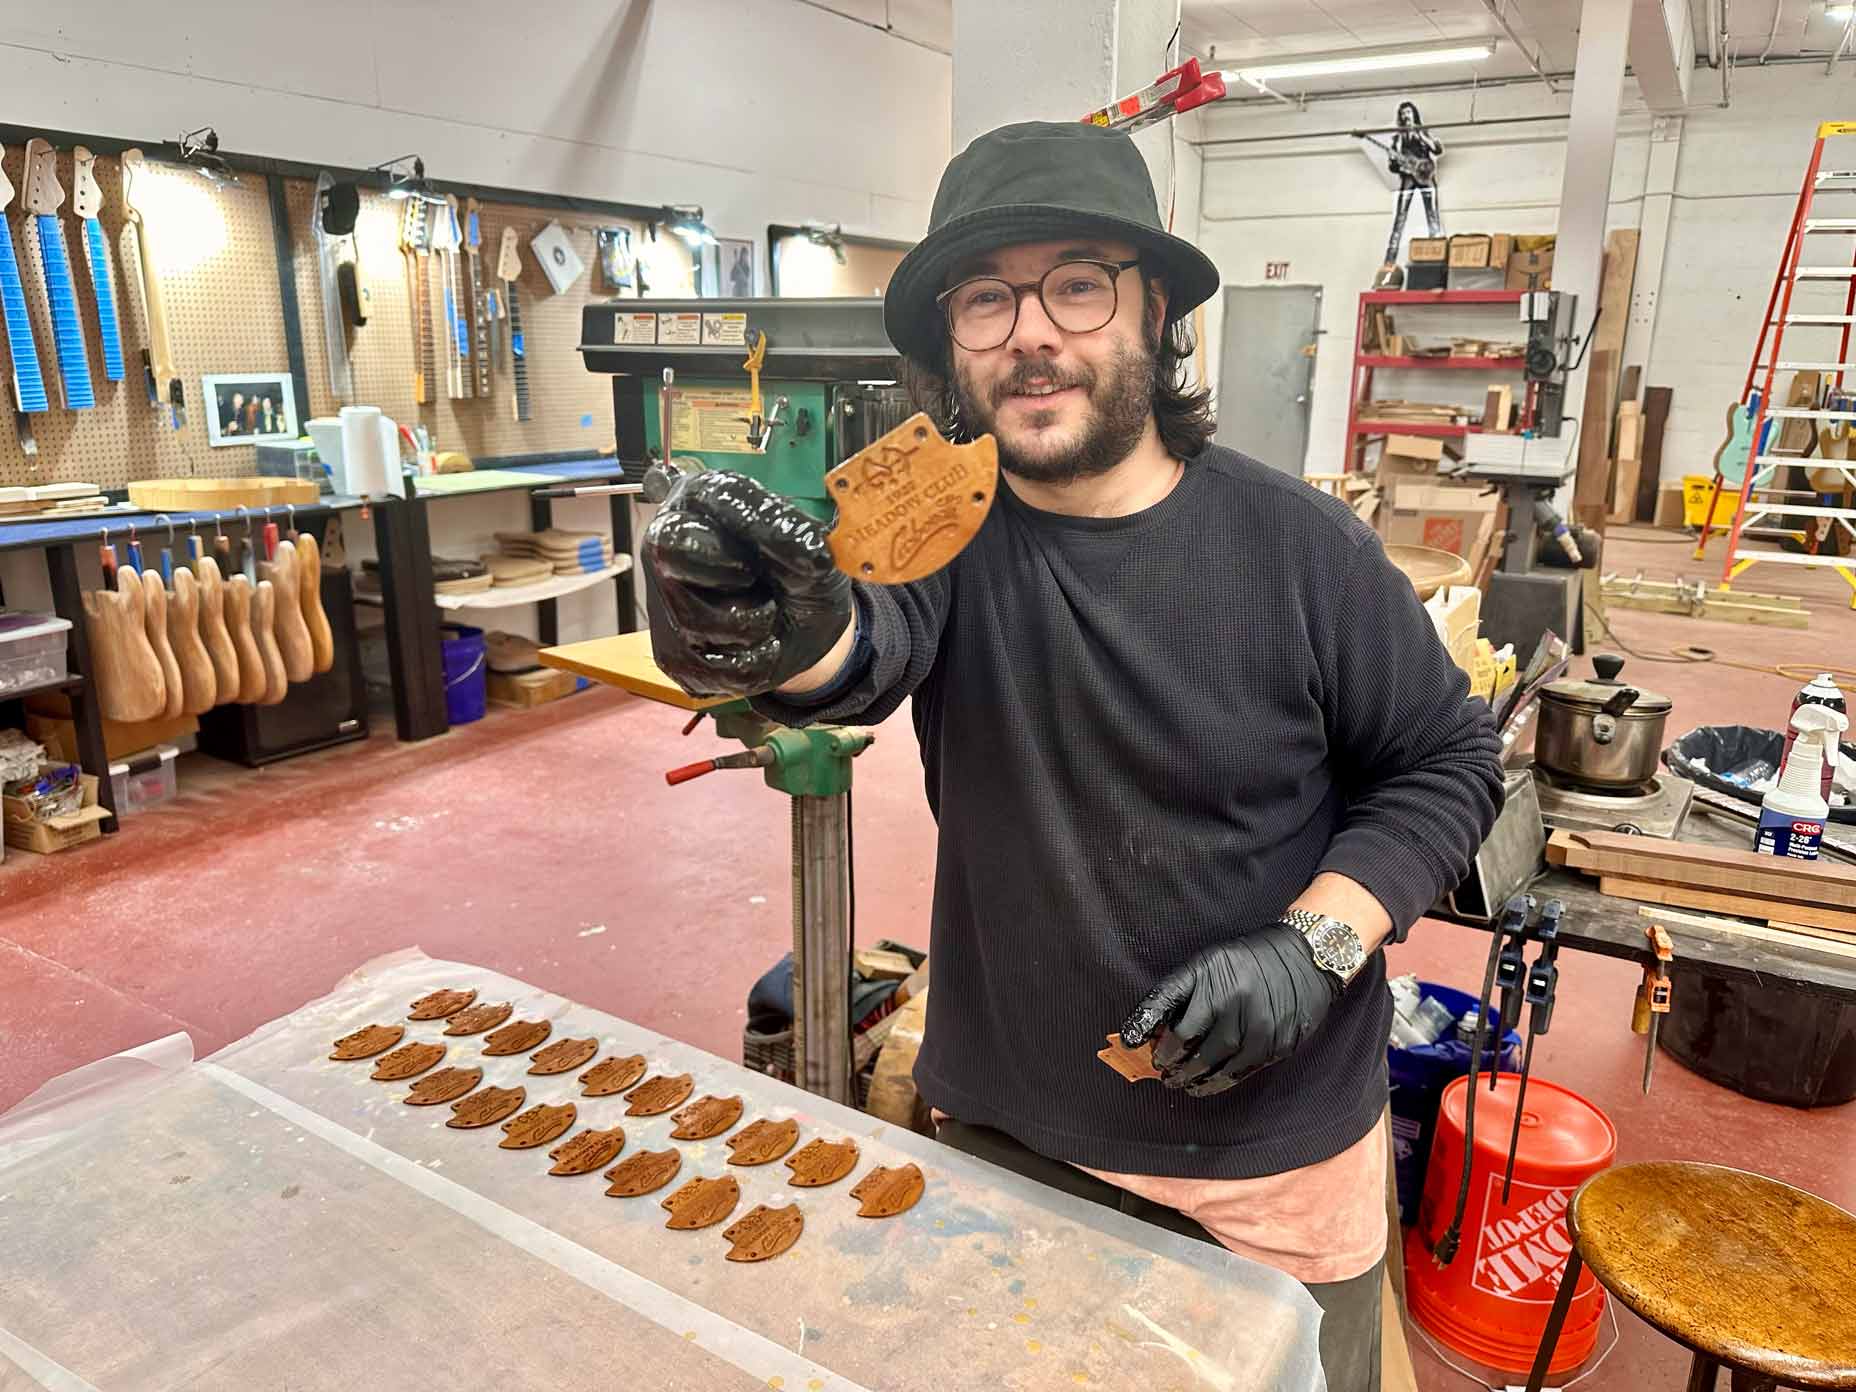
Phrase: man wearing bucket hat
[1194,749]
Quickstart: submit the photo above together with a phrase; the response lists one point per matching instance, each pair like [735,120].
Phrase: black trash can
[1765,1042]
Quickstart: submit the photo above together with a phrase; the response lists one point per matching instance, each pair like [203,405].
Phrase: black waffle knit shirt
[1146,735]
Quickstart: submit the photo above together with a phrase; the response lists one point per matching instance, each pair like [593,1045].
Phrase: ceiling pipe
[1772,35]
[1843,42]
[1533,61]
[1712,18]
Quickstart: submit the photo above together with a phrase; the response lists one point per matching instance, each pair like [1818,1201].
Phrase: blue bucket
[466,681]
[1418,1077]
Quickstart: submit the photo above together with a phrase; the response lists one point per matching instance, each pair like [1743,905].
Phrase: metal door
[1266,377]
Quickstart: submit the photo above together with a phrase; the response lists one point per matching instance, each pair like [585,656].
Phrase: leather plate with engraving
[407,1061]
[478,1018]
[365,1043]
[440,1004]
[562,1055]
[1133,1064]
[446,1085]
[587,1151]
[643,1173]
[537,1126]
[885,1193]
[518,1038]
[764,1232]
[822,1162]
[706,1117]
[483,1108]
[762,1141]
[612,1075]
[909,502]
[657,1095]
[702,1202]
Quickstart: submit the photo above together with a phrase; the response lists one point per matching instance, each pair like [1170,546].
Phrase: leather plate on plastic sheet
[706,1117]
[765,1232]
[365,1043]
[446,1085]
[440,1004]
[478,1018]
[762,1141]
[885,1193]
[562,1055]
[612,1075]
[643,1173]
[821,1162]
[537,1126]
[1135,1065]
[657,1095]
[407,1061]
[518,1038]
[702,1202]
[587,1151]
[483,1108]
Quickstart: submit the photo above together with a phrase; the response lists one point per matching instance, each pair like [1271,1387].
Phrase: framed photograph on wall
[249,408]
[728,268]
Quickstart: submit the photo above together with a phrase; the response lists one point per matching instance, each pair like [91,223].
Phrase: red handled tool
[759,757]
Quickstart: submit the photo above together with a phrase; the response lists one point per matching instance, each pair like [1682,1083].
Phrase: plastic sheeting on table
[268,1216]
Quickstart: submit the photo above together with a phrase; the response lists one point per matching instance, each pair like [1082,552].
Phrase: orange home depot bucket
[1491,1303]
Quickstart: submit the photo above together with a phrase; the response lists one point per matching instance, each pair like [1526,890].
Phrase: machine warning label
[634,328]
[713,419]
[681,327]
[728,330]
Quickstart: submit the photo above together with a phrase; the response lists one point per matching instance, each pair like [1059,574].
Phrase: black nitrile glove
[1234,1009]
[749,591]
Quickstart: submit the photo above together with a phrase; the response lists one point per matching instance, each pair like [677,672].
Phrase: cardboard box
[1426,250]
[532,688]
[1530,270]
[25,832]
[1470,250]
[1669,505]
[1501,247]
[1450,517]
[1428,447]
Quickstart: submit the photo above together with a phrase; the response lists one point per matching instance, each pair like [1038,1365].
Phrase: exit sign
[1275,270]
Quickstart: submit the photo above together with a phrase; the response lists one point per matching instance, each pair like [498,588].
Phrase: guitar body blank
[264,629]
[130,684]
[213,631]
[155,619]
[251,675]
[199,683]
[309,590]
[299,655]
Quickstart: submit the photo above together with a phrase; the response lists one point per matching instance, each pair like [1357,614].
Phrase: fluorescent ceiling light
[1367,62]
[1841,13]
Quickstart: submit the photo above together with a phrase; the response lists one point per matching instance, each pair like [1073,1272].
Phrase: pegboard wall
[219,278]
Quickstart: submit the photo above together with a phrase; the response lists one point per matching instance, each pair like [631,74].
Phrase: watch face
[1337,947]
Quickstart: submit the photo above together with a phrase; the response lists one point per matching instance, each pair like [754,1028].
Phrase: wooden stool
[1747,1273]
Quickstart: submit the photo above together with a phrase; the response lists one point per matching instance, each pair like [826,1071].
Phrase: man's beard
[1121,395]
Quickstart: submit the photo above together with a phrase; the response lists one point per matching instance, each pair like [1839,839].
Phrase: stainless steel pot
[1600,732]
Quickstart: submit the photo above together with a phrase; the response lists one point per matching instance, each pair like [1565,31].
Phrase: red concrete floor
[545,844]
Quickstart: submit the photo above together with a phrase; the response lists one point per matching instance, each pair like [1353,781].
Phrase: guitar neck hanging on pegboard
[28,385]
[509,270]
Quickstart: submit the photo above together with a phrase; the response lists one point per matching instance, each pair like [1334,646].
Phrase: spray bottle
[1821,690]
[1791,819]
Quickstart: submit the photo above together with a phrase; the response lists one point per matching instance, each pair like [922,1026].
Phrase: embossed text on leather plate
[910,502]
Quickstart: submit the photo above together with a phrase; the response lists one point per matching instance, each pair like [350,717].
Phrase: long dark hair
[1182,414]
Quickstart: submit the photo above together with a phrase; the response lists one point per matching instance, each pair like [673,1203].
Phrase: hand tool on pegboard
[1543,979]
[1654,995]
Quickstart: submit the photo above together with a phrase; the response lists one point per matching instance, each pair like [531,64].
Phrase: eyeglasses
[1078,296]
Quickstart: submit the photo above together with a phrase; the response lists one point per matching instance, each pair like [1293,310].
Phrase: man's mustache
[1028,375]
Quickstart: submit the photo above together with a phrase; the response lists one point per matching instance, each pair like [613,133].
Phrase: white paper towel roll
[365,464]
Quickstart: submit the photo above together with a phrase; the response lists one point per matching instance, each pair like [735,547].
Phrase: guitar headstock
[445,225]
[415,226]
[44,194]
[508,260]
[6,184]
[86,192]
[134,183]
[473,232]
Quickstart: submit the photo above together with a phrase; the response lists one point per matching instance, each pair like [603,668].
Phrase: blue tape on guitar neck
[67,330]
[28,381]
[97,251]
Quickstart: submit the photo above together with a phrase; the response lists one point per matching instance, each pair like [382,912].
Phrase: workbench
[269,1216]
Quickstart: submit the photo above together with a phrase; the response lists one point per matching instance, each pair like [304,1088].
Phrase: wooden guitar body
[213,631]
[309,589]
[251,674]
[130,684]
[299,657]
[264,629]
[199,683]
[155,620]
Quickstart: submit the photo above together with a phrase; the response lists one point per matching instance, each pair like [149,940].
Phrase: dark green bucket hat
[1032,182]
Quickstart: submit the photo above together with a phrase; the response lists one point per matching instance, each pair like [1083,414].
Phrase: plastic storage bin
[32,650]
[145,781]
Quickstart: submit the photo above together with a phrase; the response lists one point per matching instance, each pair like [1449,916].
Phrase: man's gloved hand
[1234,1009]
[747,584]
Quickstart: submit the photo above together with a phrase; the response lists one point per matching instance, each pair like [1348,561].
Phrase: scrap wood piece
[407,1061]
[518,1038]
[537,1126]
[820,1162]
[587,1151]
[478,1018]
[886,1192]
[644,1173]
[1795,935]
[706,1117]
[562,1055]
[1745,905]
[765,1232]
[612,1075]
[1820,883]
[702,1203]
[1134,1065]
[761,1142]
[655,1096]
[483,1108]
[446,1085]
[365,1043]
[440,1004]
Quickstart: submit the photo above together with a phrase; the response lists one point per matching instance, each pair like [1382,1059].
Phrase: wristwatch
[1336,947]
